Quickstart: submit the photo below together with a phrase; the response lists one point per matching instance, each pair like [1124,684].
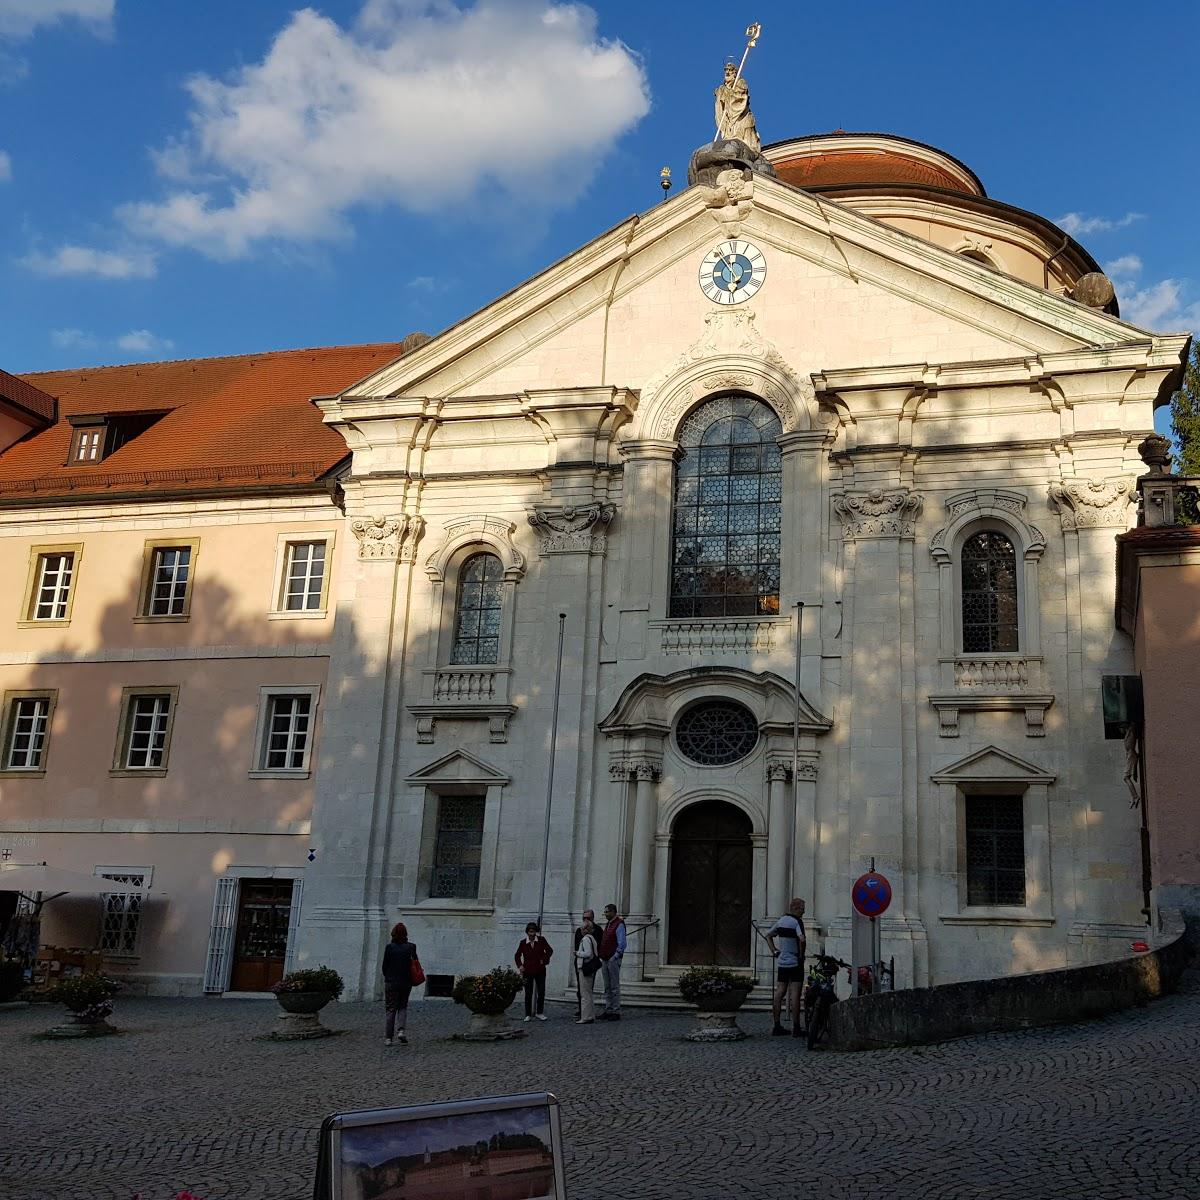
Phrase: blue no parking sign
[871,894]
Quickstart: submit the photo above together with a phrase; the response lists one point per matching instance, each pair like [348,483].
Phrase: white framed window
[144,736]
[26,731]
[302,568]
[167,572]
[52,594]
[121,918]
[285,734]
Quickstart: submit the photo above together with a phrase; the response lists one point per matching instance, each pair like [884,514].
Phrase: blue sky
[181,179]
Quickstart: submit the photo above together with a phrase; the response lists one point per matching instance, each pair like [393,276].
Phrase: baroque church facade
[816,471]
[842,429]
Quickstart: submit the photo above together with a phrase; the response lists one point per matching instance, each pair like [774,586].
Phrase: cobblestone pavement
[189,1098]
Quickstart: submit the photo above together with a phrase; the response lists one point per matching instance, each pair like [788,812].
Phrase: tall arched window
[989,593]
[725,552]
[477,614]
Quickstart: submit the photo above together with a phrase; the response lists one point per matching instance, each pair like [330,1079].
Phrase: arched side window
[725,548]
[478,611]
[990,614]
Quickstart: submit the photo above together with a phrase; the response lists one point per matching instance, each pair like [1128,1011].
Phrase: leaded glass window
[477,614]
[725,549]
[989,594]
[716,733]
[995,850]
[458,852]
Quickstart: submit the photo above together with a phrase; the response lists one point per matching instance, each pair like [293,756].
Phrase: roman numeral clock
[732,272]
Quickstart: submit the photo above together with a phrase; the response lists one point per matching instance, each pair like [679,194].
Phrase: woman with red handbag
[401,973]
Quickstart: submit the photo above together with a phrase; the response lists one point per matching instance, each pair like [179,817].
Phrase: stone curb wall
[936,1014]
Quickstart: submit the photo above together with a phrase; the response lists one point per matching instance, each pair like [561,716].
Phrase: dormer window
[98,435]
[88,444]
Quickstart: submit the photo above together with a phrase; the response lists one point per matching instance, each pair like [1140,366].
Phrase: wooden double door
[711,886]
[261,936]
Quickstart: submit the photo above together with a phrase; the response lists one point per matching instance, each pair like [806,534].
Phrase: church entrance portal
[711,881]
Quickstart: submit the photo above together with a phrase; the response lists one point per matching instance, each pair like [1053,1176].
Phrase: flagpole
[562,621]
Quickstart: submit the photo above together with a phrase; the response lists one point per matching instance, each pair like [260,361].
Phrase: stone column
[779,837]
[645,821]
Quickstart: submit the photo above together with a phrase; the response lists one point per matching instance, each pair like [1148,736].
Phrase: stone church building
[857,396]
[819,474]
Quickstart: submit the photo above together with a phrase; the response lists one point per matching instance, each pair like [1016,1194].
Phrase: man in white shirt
[790,953]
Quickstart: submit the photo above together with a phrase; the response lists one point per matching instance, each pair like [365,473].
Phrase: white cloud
[1160,306]
[1124,267]
[1077,225]
[72,339]
[21,18]
[5,167]
[83,260]
[142,341]
[422,104]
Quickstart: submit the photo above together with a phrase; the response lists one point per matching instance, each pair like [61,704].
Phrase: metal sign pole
[562,621]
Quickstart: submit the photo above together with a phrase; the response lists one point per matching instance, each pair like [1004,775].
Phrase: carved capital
[572,529]
[781,769]
[618,769]
[1092,503]
[645,769]
[778,771]
[878,513]
[409,539]
[380,537]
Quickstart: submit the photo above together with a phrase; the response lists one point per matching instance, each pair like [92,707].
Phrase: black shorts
[791,974]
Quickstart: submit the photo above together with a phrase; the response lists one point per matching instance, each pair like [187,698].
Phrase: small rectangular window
[147,725]
[27,729]
[304,576]
[52,590]
[289,723]
[122,919]
[167,587]
[995,829]
[458,853]
[89,444]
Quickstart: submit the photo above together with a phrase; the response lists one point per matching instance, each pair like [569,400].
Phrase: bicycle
[820,995]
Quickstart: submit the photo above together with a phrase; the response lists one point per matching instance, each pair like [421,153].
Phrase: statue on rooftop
[734,118]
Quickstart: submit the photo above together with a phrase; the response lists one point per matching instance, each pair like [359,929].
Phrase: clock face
[732,272]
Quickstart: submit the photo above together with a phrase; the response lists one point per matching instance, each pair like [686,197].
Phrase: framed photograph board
[495,1148]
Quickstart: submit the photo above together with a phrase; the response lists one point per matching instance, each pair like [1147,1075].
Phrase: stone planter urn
[488,999]
[89,1000]
[302,995]
[83,1025]
[717,995]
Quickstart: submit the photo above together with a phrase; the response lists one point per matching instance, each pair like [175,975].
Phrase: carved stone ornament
[877,513]
[736,356]
[476,529]
[731,199]
[1092,503]
[379,537]
[965,508]
[572,529]
[780,769]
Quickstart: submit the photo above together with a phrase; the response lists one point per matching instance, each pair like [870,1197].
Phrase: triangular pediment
[458,766]
[992,765]
[842,291]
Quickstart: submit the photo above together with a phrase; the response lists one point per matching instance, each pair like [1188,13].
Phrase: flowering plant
[88,996]
[314,979]
[491,993]
[698,984]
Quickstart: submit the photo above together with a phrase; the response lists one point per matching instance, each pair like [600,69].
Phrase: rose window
[716,733]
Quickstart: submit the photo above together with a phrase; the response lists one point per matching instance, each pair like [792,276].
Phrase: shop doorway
[711,873]
[261,937]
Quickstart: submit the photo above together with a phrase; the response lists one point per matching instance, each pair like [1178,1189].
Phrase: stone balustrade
[750,635]
[991,672]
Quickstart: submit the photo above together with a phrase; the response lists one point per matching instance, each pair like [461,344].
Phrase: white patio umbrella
[39,884]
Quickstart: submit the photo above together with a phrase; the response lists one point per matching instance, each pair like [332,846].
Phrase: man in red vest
[612,950]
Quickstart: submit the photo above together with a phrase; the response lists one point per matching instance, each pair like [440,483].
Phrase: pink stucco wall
[1168,656]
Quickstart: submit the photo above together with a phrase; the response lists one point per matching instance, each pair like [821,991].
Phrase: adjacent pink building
[169,538]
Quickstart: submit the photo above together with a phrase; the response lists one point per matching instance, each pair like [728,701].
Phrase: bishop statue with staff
[734,118]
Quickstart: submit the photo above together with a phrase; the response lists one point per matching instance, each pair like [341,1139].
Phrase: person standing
[532,958]
[612,950]
[789,929]
[587,963]
[398,957]
[589,918]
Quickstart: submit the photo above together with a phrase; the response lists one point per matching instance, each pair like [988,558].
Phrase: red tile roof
[230,423]
[25,396]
